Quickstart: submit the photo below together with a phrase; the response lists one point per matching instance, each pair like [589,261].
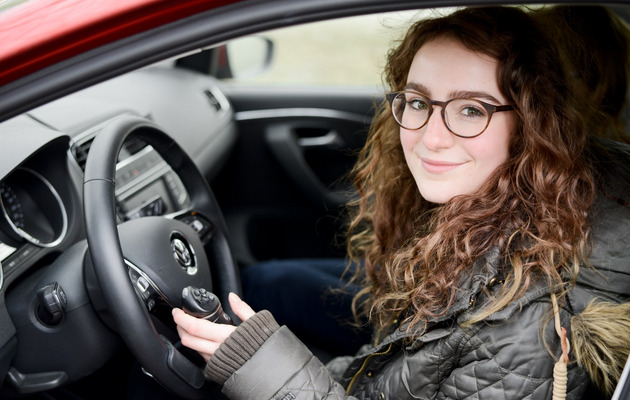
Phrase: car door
[285,186]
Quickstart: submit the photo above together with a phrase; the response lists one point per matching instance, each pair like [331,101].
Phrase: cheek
[408,140]
[490,154]
[495,147]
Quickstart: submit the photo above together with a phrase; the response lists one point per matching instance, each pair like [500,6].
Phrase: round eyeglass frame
[490,108]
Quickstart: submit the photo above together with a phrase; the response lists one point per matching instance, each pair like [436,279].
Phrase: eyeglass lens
[464,117]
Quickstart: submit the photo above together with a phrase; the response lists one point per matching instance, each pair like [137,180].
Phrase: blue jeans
[298,293]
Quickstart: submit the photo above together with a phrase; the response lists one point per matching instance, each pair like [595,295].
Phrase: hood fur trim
[601,342]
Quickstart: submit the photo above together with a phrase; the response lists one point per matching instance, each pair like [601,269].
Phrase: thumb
[240,308]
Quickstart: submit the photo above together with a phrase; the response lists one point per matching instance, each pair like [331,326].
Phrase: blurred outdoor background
[345,52]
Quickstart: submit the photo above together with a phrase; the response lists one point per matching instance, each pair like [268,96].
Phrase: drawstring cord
[560,369]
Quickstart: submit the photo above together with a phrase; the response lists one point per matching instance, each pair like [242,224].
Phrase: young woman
[476,188]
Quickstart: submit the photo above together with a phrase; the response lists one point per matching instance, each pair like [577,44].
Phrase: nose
[435,134]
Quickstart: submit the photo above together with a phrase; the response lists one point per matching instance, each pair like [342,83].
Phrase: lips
[438,167]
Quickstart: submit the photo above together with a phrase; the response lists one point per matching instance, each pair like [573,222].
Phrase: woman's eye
[418,104]
[473,111]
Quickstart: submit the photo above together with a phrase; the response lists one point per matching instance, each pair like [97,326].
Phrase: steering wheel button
[197,225]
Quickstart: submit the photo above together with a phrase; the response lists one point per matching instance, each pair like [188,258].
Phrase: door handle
[330,139]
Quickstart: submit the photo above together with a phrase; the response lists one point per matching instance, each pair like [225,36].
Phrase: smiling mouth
[438,167]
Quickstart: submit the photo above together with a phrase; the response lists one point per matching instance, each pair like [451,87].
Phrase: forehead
[445,66]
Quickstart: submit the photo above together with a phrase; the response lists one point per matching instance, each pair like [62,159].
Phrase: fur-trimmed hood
[600,330]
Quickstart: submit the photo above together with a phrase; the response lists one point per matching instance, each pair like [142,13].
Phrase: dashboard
[41,177]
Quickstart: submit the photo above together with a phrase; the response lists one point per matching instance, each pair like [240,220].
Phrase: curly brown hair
[533,208]
[595,46]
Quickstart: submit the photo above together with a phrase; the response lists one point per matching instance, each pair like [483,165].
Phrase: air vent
[81,148]
[216,99]
[134,144]
[80,151]
[214,102]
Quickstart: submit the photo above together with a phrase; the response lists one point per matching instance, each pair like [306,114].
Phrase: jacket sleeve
[283,368]
[264,361]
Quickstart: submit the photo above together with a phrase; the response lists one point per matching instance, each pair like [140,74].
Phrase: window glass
[6,4]
[341,52]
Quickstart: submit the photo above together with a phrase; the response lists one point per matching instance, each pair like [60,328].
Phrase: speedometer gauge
[32,209]
[12,205]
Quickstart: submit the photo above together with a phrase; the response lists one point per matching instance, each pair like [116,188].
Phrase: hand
[204,336]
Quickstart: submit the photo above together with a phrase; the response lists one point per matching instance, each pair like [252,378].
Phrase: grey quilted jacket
[510,355]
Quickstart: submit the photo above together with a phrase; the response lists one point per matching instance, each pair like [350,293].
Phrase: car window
[341,52]
[6,4]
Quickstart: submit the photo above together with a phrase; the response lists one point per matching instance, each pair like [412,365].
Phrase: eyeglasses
[467,118]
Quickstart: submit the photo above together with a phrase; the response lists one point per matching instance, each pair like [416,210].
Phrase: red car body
[38,34]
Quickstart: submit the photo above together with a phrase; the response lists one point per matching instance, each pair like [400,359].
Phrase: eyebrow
[418,87]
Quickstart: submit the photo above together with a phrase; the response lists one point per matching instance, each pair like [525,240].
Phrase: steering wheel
[150,260]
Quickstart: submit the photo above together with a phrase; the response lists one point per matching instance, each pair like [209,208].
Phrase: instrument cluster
[32,210]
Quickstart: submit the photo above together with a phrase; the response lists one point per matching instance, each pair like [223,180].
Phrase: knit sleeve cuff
[240,346]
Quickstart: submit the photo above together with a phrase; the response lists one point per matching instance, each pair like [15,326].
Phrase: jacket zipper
[365,362]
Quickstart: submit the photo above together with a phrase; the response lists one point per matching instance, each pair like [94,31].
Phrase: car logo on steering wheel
[183,255]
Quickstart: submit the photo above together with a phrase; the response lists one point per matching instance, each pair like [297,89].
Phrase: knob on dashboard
[52,304]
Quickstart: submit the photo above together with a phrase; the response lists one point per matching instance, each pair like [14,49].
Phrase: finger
[198,335]
[240,308]
[202,328]
[205,348]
